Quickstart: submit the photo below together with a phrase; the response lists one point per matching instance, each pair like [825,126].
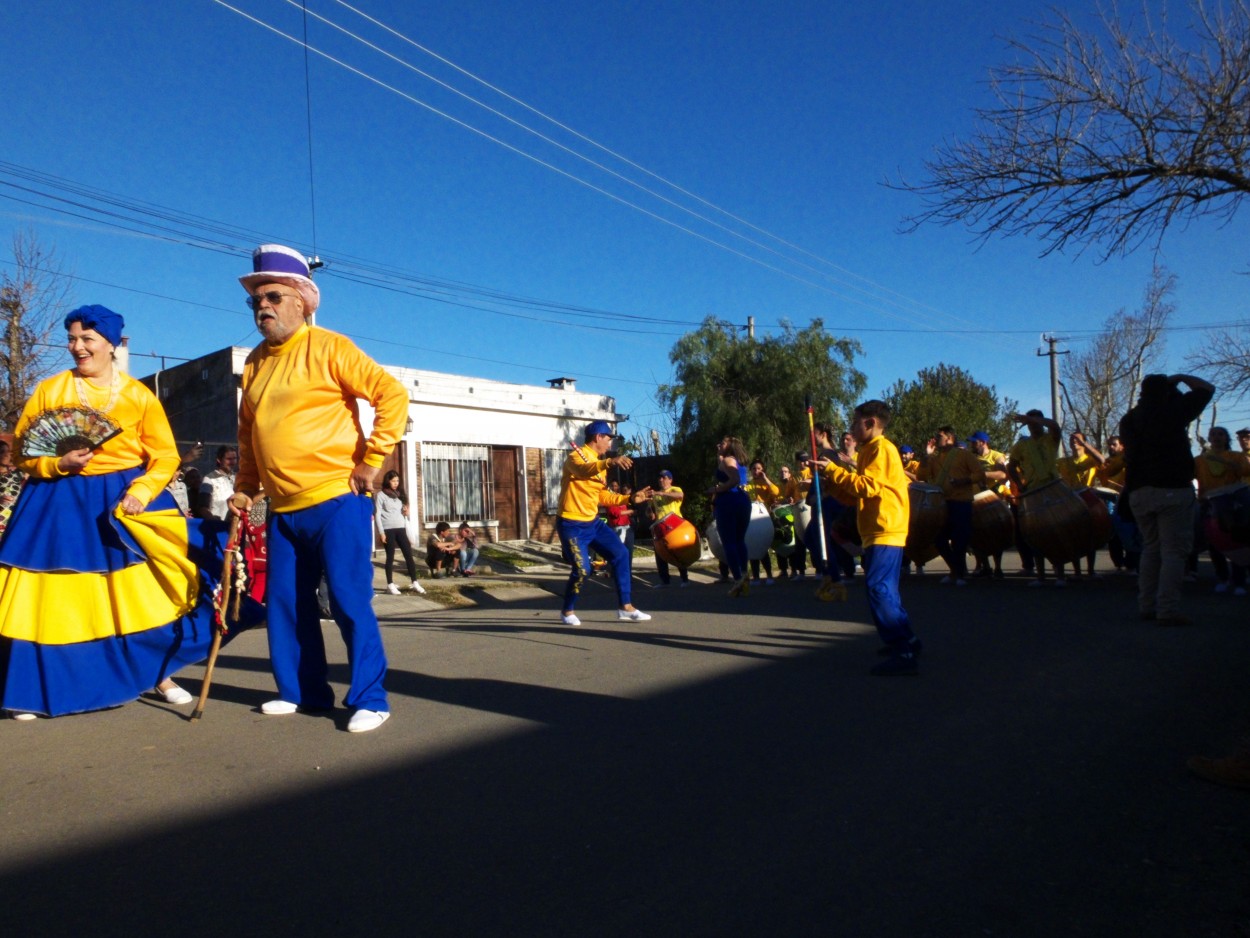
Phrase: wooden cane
[221,609]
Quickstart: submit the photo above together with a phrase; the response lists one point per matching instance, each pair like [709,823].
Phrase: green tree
[754,389]
[948,396]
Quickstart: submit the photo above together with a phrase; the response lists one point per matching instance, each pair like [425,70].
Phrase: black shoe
[915,646]
[900,665]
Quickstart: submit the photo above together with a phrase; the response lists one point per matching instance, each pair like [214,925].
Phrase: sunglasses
[273,296]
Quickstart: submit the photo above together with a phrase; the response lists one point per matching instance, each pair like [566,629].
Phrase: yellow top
[881,488]
[1215,470]
[663,507]
[1078,472]
[1034,459]
[1112,472]
[146,439]
[764,492]
[299,424]
[954,465]
[583,486]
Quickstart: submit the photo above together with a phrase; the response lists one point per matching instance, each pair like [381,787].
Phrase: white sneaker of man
[363,721]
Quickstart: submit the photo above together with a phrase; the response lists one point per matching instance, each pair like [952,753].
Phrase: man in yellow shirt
[667,501]
[961,475]
[880,487]
[1030,465]
[583,488]
[300,438]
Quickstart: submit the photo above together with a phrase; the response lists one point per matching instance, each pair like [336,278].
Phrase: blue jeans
[732,511]
[882,566]
[468,558]
[576,540]
[334,538]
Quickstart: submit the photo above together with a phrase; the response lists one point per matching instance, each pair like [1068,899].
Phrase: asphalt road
[726,769]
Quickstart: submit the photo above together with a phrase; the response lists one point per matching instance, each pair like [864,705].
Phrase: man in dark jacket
[1159,484]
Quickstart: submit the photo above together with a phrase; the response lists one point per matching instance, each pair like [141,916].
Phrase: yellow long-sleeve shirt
[1216,470]
[583,486]
[299,424]
[146,439]
[1077,471]
[949,467]
[881,489]
[764,492]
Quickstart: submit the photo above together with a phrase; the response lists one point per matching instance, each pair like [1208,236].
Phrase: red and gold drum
[675,540]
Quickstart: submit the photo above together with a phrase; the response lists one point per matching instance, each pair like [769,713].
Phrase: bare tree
[32,304]
[1105,139]
[1224,360]
[1100,382]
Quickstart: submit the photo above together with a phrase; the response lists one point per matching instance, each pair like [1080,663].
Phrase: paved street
[726,769]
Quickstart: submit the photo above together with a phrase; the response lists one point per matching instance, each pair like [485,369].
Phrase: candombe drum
[802,517]
[993,527]
[759,534]
[784,530]
[1056,522]
[1226,522]
[928,516]
[675,540]
[1100,528]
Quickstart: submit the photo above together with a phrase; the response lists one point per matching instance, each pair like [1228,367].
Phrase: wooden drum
[928,516]
[676,541]
[1056,522]
[784,530]
[993,527]
[1100,529]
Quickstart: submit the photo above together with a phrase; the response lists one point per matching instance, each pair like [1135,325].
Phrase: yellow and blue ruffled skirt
[96,607]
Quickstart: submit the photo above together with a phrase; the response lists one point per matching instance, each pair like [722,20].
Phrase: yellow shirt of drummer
[764,492]
[583,486]
[1216,470]
[880,486]
[1078,471]
[1035,458]
[151,443]
[955,464]
[991,460]
[663,507]
[1112,472]
[299,422]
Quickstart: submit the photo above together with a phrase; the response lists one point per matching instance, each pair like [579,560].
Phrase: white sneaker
[25,716]
[946,581]
[684,583]
[392,589]
[417,588]
[961,582]
[276,708]
[1221,587]
[1239,591]
[570,619]
[769,582]
[363,721]
[175,695]
[636,616]
[1061,584]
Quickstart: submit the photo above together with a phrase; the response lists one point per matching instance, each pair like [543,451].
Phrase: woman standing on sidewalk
[390,508]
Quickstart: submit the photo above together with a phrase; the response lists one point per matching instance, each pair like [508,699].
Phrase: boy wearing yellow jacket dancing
[880,485]
[583,488]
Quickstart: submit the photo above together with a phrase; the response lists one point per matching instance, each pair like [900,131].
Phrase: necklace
[115,386]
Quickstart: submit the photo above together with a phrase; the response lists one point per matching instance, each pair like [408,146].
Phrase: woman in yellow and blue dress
[105,588]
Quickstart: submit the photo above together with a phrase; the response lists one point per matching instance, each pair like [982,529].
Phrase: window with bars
[456,482]
[553,468]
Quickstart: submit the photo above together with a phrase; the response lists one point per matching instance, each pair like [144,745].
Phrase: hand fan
[63,429]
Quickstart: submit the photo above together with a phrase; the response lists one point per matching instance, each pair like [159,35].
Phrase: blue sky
[787,116]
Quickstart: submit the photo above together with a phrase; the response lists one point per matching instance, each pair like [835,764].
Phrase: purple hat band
[276,262]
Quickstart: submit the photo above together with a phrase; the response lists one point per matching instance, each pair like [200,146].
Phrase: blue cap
[594,428]
[665,472]
[100,318]
[979,437]
[905,450]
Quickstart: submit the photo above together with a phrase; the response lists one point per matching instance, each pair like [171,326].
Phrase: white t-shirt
[218,485]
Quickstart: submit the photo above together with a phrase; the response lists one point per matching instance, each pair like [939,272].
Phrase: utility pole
[750,327]
[1052,340]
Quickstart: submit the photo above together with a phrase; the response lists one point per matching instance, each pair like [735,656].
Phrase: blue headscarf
[100,318]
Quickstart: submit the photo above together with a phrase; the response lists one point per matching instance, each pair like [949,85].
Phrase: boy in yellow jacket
[880,485]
